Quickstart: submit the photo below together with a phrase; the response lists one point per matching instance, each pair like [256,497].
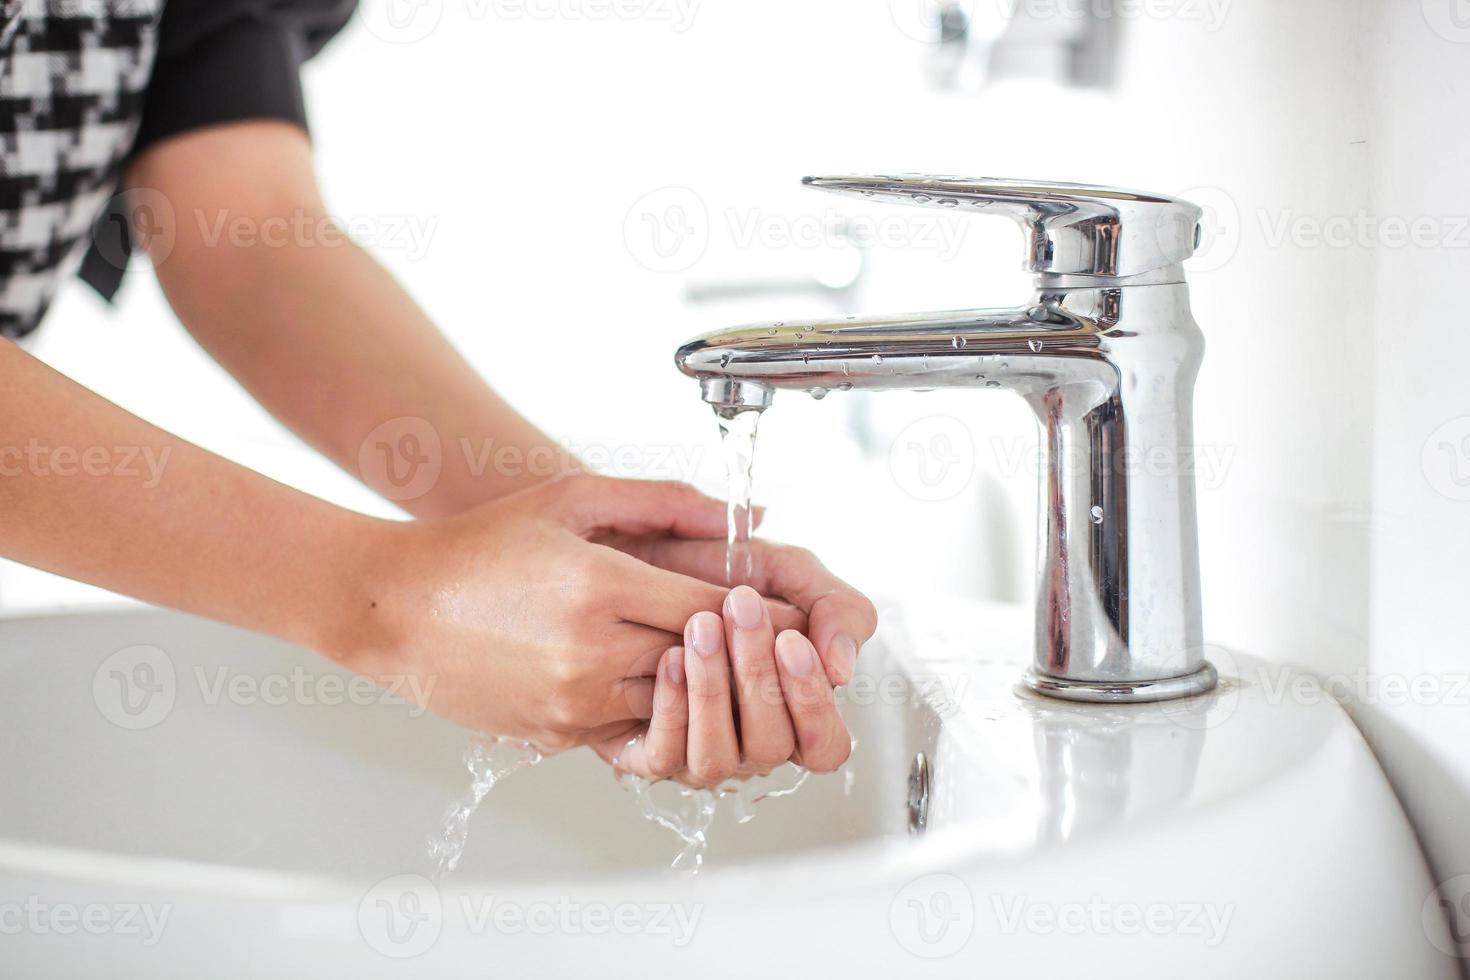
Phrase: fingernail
[674,665]
[842,652]
[795,653]
[746,607]
[705,634]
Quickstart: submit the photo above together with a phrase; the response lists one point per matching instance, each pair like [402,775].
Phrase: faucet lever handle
[1071,229]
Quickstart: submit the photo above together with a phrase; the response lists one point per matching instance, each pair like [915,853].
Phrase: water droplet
[1004,365]
[808,328]
[948,202]
[1035,345]
[847,371]
[922,198]
[877,358]
[818,393]
[1097,515]
[773,331]
[780,323]
[960,342]
[992,384]
[845,386]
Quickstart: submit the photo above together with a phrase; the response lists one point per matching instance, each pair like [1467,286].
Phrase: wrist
[357,622]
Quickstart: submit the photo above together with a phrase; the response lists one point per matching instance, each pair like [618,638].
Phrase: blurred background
[572,188]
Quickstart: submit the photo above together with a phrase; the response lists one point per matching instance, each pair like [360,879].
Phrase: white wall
[523,144]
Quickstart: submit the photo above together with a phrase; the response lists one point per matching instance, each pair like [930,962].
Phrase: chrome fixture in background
[1106,354]
[977,42]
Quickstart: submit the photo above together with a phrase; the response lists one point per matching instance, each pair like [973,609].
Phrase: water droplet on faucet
[1097,515]
[960,342]
[818,393]
[1035,345]
[877,358]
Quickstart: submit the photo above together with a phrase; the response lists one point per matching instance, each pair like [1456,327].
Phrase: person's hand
[735,701]
[512,620]
[840,619]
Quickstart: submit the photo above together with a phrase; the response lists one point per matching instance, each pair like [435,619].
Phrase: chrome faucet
[1106,353]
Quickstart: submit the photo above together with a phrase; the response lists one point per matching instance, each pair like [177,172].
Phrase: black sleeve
[219,61]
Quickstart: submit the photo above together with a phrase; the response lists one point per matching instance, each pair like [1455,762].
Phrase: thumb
[589,504]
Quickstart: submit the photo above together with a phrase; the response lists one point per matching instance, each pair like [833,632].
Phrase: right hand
[514,622]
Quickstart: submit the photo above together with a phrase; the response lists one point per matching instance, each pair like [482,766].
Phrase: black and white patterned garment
[87,84]
[72,80]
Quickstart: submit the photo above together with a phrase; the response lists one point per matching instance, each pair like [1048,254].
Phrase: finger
[590,504]
[668,731]
[667,600]
[766,736]
[822,739]
[841,619]
[713,752]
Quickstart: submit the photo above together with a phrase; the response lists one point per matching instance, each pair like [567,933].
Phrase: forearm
[318,331]
[96,494]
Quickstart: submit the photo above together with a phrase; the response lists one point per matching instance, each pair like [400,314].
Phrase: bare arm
[94,493]
[309,323]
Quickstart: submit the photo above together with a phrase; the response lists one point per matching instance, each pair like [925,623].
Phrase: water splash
[489,758]
[689,812]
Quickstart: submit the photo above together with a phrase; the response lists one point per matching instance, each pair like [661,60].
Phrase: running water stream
[690,812]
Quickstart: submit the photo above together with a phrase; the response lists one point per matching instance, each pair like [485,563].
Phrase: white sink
[196,832]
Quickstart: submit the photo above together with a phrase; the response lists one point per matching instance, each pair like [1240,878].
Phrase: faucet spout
[1109,371]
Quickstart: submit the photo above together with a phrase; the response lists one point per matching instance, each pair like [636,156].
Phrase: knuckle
[711,772]
[563,713]
[830,753]
[664,760]
[772,751]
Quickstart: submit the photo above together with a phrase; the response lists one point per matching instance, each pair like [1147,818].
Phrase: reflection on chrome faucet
[1101,769]
[1106,354]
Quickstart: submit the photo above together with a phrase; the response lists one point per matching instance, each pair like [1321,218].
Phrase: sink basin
[188,799]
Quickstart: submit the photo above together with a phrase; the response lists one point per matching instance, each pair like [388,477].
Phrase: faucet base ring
[1123,692]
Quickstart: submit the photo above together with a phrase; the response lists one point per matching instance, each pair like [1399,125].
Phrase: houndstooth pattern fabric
[72,79]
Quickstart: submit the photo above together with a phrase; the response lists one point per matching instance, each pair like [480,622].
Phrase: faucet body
[1108,364]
